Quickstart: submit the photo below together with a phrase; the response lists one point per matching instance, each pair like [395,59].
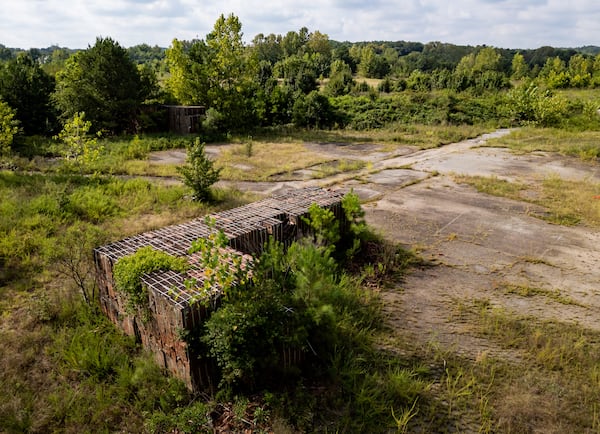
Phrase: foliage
[27,89]
[103,82]
[9,127]
[225,271]
[252,332]
[78,148]
[64,365]
[325,226]
[298,73]
[128,272]
[529,104]
[261,328]
[340,80]
[216,73]
[199,172]
[313,110]
[519,67]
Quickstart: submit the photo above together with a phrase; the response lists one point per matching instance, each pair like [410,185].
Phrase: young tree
[199,173]
[78,148]
[103,82]
[8,128]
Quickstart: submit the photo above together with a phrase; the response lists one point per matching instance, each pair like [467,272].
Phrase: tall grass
[65,367]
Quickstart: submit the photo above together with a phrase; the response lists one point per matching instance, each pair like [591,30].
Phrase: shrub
[313,110]
[294,308]
[129,270]
[528,104]
[199,172]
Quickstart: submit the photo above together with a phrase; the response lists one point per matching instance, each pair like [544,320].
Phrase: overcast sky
[499,23]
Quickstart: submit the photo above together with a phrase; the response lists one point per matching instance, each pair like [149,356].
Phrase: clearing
[476,247]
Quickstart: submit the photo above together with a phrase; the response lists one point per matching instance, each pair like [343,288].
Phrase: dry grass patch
[552,388]
[583,144]
[566,202]
[147,168]
[424,136]
[523,409]
[266,159]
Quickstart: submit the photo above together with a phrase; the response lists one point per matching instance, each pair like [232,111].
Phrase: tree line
[301,77]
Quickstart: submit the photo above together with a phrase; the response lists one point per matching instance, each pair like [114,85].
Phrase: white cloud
[502,23]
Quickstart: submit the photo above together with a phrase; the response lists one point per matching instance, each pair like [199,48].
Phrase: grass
[426,136]
[550,383]
[584,145]
[532,291]
[566,202]
[558,377]
[268,159]
[337,166]
[64,366]
[392,136]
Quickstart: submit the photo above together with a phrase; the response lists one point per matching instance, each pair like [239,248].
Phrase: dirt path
[482,247]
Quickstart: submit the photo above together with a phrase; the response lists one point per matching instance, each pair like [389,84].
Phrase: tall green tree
[555,73]
[267,48]
[372,64]
[298,73]
[580,70]
[103,82]
[27,89]
[481,70]
[219,73]
[188,71]
[230,71]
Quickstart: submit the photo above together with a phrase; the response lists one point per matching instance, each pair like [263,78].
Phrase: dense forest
[76,131]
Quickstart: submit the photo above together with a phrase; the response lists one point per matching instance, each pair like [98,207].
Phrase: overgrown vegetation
[306,348]
[128,272]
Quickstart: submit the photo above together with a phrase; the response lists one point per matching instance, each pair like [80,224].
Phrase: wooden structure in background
[185,119]
[172,311]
